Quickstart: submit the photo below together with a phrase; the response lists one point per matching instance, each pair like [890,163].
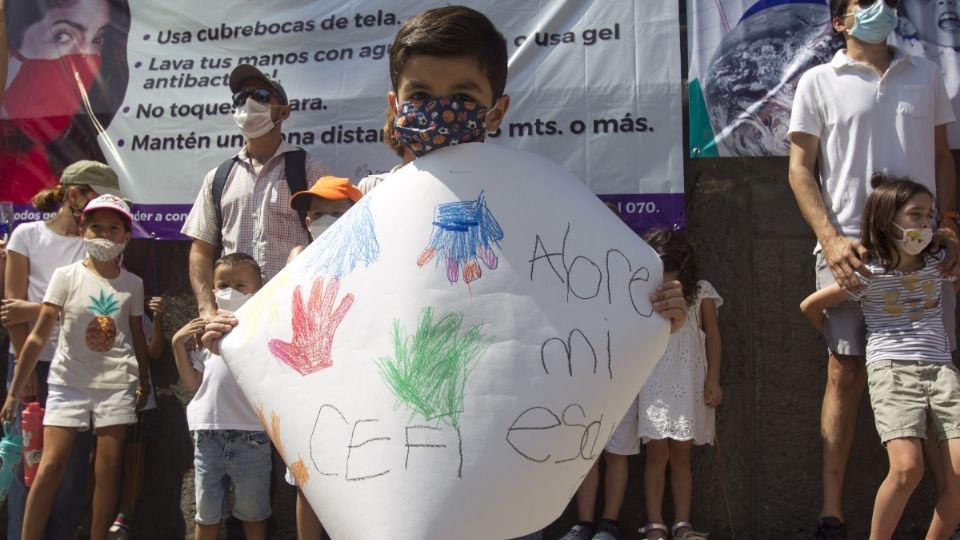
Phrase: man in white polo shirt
[872,108]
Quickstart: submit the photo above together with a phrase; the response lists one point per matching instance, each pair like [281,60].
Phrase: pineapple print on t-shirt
[102,330]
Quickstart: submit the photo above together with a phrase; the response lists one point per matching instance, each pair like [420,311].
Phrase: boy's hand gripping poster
[449,359]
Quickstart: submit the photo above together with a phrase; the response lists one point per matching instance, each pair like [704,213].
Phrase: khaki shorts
[845,330]
[906,394]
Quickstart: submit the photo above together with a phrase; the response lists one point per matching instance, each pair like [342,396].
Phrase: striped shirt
[257,219]
[903,313]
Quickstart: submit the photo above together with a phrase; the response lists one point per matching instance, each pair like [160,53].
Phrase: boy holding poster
[448,70]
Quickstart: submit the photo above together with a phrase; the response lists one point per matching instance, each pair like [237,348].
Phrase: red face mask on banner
[46,93]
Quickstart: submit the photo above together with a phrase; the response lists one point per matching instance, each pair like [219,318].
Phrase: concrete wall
[761,481]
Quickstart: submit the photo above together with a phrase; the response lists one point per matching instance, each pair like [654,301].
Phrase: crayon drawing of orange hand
[314,325]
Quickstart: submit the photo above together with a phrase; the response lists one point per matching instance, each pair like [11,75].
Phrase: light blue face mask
[874,23]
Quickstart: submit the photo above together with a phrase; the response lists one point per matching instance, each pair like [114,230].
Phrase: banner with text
[746,57]
[594,85]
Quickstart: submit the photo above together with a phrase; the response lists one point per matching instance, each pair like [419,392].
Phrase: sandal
[690,534]
[650,527]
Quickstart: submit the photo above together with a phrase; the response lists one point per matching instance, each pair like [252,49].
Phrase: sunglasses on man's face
[260,95]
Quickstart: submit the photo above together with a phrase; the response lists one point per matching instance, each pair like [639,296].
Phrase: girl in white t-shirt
[912,381]
[99,370]
[34,251]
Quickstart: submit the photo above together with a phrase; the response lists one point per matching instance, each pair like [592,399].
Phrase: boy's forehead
[234,272]
[460,71]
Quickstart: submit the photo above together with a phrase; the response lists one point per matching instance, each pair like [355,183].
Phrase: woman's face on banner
[937,21]
[75,27]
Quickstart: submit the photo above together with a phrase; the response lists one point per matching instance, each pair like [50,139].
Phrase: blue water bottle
[11,452]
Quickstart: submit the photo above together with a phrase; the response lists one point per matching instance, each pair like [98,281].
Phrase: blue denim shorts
[231,457]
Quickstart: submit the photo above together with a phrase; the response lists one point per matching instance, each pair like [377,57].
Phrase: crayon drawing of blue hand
[350,241]
[464,234]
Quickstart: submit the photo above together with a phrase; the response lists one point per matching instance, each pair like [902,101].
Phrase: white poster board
[450,357]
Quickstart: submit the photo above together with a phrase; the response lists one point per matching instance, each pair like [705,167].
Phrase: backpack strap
[219,182]
[295,163]
[296,173]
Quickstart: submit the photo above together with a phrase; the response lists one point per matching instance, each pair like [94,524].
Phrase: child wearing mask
[328,199]
[448,71]
[99,372]
[230,446]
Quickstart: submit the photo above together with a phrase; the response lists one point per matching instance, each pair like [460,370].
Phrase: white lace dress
[671,401]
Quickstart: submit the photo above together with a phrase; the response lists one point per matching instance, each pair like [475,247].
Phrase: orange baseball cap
[327,187]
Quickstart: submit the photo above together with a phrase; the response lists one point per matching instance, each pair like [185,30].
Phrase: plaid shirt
[257,219]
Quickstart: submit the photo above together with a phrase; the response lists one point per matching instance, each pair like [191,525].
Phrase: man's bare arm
[843,256]
[202,255]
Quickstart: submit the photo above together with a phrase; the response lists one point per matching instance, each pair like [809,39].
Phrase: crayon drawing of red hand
[314,325]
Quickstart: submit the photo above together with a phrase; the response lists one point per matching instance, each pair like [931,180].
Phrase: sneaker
[118,531]
[579,532]
[830,528]
[607,530]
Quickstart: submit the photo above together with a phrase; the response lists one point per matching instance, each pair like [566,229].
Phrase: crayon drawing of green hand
[429,369]
[314,325]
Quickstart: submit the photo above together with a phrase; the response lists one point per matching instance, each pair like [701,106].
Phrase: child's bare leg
[655,478]
[57,443]
[614,485]
[933,460]
[906,471]
[255,530]
[681,479]
[587,494]
[207,532]
[134,459]
[109,467]
[308,524]
[946,516]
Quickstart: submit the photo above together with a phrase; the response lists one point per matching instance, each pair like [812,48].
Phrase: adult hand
[16,311]
[948,238]
[209,314]
[218,327]
[669,302]
[845,259]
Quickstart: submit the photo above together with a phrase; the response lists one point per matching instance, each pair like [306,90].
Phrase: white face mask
[253,119]
[914,241]
[321,224]
[230,299]
[103,249]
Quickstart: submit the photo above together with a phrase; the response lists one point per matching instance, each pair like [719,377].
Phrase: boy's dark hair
[450,32]
[677,256]
[889,195]
[235,260]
